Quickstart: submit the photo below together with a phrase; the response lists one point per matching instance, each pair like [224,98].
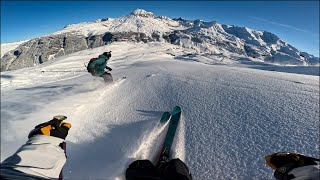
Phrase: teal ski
[173,124]
[165,117]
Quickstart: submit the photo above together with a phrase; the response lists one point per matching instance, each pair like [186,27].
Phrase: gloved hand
[109,68]
[277,160]
[283,162]
[55,127]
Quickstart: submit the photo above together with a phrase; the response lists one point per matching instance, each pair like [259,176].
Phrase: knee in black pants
[174,169]
[107,77]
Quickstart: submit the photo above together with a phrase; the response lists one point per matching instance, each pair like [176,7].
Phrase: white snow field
[233,115]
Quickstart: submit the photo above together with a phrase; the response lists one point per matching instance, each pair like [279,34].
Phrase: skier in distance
[96,67]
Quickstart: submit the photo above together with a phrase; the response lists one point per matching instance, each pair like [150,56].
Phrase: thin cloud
[315,52]
[285,25]
[312,51]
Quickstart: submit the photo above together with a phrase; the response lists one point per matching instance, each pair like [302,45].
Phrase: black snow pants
[107,77]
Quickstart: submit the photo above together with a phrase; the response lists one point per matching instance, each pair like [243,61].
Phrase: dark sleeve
[175,169]
[141,169]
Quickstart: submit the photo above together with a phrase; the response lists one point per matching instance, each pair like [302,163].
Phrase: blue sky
[296,22]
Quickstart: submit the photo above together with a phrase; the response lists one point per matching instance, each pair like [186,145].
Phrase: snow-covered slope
[232,115]
[6,47]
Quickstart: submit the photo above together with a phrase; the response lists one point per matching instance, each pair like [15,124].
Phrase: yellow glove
[55,127]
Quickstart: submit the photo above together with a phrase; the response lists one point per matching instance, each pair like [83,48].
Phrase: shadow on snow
[107,156]
[307,70]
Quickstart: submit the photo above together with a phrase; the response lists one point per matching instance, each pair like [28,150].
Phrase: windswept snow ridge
[232,115]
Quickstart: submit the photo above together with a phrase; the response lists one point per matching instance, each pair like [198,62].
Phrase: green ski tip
[165,117]
[176,110]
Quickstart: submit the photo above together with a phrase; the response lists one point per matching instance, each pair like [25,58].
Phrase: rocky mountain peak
[143,26]
[142,13]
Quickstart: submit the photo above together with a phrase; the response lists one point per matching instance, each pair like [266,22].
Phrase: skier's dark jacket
[99,65]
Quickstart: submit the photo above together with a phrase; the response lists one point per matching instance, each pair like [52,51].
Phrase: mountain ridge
[143,26]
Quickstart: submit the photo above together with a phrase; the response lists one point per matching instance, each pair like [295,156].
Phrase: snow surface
[233,114]
[6,47]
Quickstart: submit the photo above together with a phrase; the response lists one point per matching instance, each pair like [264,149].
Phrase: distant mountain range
[143,26]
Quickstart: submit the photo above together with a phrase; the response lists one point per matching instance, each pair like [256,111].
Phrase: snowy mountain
[138,21]
[142,26]
[232,114]
[6,47]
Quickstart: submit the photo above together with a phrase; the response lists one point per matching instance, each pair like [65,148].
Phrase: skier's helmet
[108,54]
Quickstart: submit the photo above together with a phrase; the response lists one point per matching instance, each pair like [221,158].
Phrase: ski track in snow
[231,116]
